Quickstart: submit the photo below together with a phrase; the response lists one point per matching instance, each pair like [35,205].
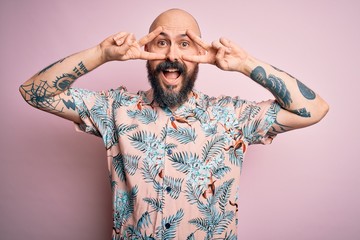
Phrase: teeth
[171,70]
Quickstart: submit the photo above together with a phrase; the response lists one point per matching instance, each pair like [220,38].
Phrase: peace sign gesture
[123,46]
[223,53]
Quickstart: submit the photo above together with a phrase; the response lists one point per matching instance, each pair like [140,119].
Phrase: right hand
[123,46]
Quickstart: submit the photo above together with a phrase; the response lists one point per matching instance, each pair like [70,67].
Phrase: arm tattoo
[44,96]
[279,128]
[69,104]
[302,112]
[274,84]
[40,96]
[80,69]
[63,82]
[50,66]
[305,91]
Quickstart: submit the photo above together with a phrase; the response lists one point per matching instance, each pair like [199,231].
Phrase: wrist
[99,53]
[249,65]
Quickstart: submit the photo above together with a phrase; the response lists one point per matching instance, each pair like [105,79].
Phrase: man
[174,153]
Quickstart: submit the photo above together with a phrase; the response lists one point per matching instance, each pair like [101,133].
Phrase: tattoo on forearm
[274,84]
[50,66]
[40,96]
[69,104]
[63,82]
[305,91]
[279,128]
[302,112]
[80,69]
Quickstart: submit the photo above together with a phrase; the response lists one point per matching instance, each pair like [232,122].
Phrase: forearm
[290,93]
[58,77]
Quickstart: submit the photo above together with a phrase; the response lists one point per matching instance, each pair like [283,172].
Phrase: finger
[227,43]
[197,39]
[220,53]
[148,38]
[196,58]
[126,45]
[120,38]
[152,56]
[218,45]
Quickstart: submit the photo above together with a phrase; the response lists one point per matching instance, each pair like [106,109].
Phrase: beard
[167,96]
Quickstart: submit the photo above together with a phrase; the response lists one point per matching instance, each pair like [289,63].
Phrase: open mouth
[171,73]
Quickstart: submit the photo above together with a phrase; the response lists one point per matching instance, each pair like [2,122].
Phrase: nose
[173,53]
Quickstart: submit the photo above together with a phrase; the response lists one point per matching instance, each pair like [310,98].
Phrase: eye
[162,43]
[184,44]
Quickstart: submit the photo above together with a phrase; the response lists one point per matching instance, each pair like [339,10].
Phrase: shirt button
[168,189]
[169,152]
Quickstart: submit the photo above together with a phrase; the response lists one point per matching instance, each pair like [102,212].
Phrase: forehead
[173,33]
[176,22]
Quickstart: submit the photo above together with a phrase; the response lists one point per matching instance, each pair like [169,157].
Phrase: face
[172,79]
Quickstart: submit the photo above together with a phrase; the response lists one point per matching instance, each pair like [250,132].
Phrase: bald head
[176,19]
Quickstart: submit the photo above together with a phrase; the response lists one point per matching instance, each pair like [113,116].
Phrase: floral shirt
[174,175]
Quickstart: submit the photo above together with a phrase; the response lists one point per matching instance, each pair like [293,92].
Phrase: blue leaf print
[213,148]
[200,223]
[150,172]
[192,193]
[201,114]
[124,206]
[191,237]
[173,186]
[168,227]
[182,161]
[145,116]
[131,233]
[224,100]
[223,221]
[155,203]
[222,194]
[237,102]
[221,171]
[231,236]
[118,163]
[105,125]
[214,222]
[142,140]
[123,128]
[144,220]
[209,128]
[236,156]
[125,164]
[153,148]
[249,113]
[131,163]
[250,131]
[182,135]
[122,98]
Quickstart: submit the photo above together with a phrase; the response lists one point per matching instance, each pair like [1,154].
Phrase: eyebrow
[167,35]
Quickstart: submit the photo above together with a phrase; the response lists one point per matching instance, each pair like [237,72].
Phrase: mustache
[170,65]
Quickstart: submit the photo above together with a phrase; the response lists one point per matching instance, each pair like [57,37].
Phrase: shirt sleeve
[256,119]
[95,111]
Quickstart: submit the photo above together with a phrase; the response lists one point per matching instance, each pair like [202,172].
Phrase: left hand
[223,53]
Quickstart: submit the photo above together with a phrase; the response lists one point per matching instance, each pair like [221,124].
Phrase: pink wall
[53,181]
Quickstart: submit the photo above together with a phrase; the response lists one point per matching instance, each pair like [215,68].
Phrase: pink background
[54,182]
